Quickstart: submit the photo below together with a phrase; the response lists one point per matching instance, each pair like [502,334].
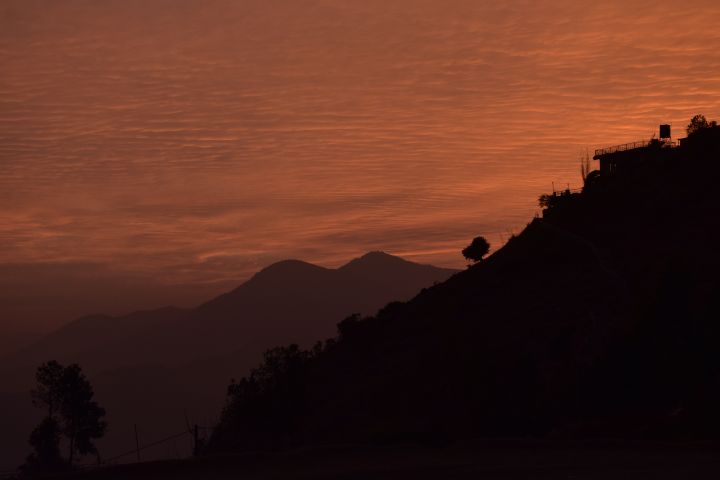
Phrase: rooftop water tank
[665,131]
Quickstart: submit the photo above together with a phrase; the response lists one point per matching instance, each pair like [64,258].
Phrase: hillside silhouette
[153,368]
[599,320]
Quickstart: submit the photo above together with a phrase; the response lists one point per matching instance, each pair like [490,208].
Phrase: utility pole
[195,441]
[137,444]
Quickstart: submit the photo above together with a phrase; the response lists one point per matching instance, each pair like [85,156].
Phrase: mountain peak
[381,265]
[378,254]
[374,258]
[286,271]
[288,265]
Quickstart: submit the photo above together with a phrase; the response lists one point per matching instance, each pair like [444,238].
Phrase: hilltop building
[619,157]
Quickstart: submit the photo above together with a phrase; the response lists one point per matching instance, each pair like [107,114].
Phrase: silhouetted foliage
[591,180]
[545,200]
[348,326]
[698,123]
[67,396]
[279,365]
[477,249]
[391,308]
[49,391]
[45,440]
[269,400]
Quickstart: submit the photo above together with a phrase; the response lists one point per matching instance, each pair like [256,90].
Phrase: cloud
[148,136]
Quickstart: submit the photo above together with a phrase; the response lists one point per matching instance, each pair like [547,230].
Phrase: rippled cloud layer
[194,141]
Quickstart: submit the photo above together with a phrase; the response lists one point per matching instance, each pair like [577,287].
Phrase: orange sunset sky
[159,152]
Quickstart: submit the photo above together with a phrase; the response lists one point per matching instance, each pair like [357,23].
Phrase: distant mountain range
[154,367]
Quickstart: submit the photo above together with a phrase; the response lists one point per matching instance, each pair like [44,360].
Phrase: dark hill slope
[459,351]
[600,319]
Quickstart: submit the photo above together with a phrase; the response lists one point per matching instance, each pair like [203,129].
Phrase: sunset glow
[162,151]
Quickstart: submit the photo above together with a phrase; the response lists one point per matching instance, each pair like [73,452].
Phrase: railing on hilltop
[622,148]
[566,191]
[633,145]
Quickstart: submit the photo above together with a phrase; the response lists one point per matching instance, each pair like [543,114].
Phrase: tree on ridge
[699,122]
[477,249]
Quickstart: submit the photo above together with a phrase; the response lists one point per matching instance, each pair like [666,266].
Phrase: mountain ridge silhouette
[191,354]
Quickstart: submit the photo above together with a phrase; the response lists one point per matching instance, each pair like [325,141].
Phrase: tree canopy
[268,402]
[699,122]
[477,249]
[68,398]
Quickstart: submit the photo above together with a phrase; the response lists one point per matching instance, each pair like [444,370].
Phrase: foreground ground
[478,460]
